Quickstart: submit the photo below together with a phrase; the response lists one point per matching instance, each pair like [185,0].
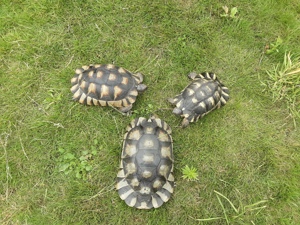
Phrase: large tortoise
[203,95]
[107,85]
[145,179]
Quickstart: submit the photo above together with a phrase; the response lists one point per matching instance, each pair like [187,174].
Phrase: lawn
[59,158]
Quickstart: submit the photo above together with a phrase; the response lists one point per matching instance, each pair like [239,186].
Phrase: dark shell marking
[145,179]
[105,85]
[202,96]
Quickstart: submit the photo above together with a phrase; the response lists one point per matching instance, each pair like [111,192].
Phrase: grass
[284,83]
[248,150]
[238,212]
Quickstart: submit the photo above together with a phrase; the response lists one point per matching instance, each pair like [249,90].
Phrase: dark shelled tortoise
[107,85]
[202,96]
[145,179]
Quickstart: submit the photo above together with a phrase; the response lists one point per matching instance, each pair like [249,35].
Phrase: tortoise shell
[145,178]
[106,85]
[202,96]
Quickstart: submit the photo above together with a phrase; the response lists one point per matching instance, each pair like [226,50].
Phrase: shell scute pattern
[107,85]
[204,94]
[145,178]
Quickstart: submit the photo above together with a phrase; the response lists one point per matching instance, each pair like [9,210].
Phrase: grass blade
[209,219]
[235,209]
[224,211]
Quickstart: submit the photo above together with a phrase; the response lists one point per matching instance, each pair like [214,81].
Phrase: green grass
[246,154]
[284,83]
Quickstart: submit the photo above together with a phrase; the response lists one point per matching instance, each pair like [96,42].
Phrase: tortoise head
[141,87]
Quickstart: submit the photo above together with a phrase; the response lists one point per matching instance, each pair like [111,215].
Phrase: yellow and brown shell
[204,94]
[145,179]
[105,85]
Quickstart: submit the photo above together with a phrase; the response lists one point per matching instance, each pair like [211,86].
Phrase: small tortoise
[107,85]
[202,96]
[145,179]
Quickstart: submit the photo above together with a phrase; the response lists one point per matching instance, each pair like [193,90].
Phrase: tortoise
[107,85]
[204,94]
[145,179]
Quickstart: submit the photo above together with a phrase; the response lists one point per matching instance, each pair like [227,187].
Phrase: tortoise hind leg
[185,123]
[193,75]
[193,117]
[172,101]
[125,109]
